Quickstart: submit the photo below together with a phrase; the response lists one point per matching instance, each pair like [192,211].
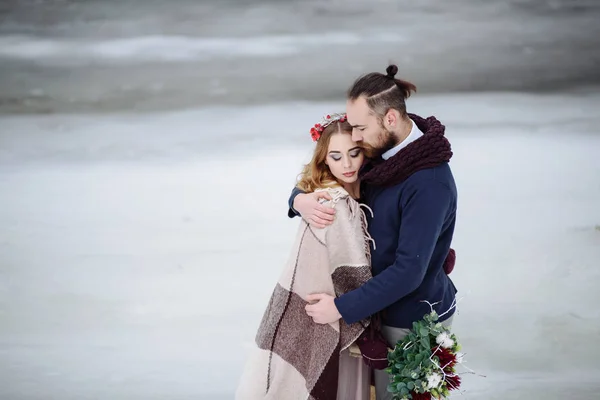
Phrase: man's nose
[356,137]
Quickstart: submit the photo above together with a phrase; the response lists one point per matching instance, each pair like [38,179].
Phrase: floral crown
[317,130]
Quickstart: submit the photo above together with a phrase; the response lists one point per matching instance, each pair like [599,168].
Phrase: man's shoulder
[441,174]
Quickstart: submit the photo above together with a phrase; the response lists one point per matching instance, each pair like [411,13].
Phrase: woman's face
[344,157]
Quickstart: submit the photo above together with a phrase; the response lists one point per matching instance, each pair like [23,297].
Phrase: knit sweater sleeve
[291,212]
[425,207]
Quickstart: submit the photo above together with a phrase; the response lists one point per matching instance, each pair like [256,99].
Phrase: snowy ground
[136,255]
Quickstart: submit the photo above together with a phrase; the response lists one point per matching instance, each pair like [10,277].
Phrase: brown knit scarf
[428,151]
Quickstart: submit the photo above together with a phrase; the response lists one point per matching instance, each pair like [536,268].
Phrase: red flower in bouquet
[447,358]
[420,396]
[453,382]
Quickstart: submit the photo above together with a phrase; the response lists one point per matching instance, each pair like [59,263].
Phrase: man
[411,190]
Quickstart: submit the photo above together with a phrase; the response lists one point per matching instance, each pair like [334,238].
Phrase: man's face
[367,129]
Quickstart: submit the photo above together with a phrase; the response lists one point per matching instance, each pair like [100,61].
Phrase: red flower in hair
[453,382]
[315,133]
[420,396]
[317,130]
[447,358]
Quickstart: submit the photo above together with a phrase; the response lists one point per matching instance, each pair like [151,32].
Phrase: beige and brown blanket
[296,358]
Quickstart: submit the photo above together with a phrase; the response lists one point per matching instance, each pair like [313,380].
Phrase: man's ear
[391,118]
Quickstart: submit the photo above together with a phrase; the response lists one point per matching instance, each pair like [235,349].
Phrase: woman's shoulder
[341,201]
[337,193]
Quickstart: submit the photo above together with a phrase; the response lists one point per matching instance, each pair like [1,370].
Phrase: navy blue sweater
[413,225]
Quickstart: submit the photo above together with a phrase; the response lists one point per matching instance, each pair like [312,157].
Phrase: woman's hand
[317,215]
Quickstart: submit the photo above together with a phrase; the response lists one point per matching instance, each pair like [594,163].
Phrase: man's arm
[423,217]
[307,206]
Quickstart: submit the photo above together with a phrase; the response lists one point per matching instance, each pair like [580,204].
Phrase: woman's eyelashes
[353,154]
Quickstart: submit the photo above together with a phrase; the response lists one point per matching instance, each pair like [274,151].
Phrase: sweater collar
[427,151]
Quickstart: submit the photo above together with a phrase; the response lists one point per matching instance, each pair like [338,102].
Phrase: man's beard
[386,141]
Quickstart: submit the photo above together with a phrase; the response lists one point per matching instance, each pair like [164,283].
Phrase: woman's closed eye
[352,153]
[355,153]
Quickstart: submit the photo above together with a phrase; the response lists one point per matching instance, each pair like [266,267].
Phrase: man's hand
[324,310]
[317,215]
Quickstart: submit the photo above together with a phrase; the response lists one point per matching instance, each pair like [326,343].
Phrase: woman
[295,358]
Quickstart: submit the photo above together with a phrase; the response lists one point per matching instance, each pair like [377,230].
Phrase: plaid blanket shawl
[294,358]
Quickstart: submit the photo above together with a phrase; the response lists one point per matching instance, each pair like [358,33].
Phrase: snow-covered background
[143,211]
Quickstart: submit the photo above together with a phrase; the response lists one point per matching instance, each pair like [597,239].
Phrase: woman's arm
[348,247]
[349,259]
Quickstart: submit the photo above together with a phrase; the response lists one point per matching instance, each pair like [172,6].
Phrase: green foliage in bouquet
[422,365]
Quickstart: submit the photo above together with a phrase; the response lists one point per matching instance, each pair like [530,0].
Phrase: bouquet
[422,365]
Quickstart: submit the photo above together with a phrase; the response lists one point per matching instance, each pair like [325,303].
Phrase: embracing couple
[378,207]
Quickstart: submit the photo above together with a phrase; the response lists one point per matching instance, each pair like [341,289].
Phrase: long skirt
[355,378]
